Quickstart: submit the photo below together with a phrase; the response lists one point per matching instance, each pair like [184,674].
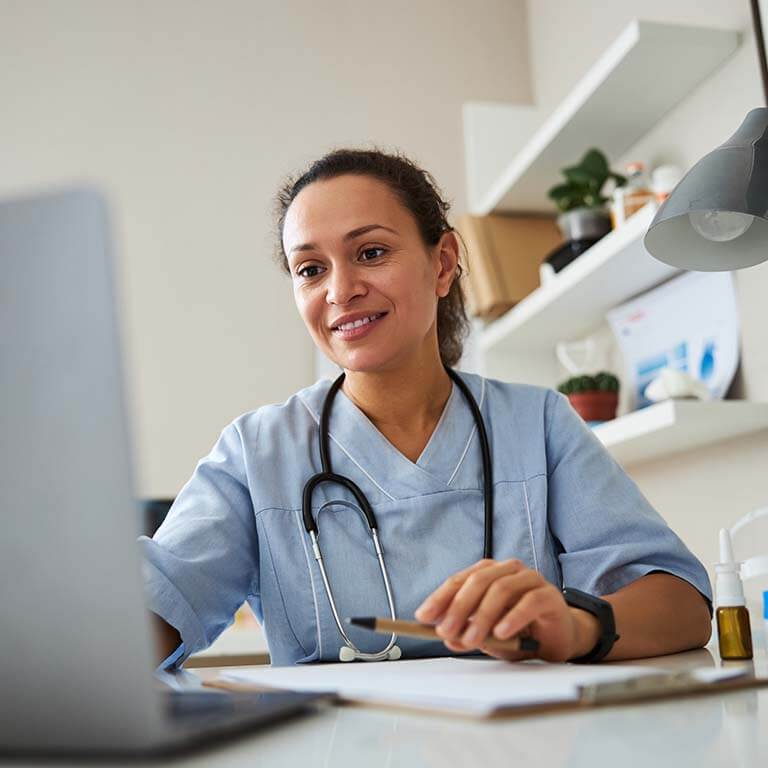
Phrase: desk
[721,730]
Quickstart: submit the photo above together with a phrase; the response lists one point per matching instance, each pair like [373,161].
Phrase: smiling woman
[488,498]
[347,185]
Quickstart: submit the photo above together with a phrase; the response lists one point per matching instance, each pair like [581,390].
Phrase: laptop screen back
[75,654]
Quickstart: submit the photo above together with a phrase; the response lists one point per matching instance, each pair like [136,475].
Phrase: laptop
[76,651]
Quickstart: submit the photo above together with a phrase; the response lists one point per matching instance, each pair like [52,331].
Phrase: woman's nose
[344,284]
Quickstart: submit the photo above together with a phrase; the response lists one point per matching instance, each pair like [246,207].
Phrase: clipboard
[642,688]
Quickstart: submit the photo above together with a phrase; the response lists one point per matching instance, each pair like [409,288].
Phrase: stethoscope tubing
[487,466]
[378,655]
[328,476]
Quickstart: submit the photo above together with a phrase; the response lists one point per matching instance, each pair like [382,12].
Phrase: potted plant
[580,199]
[594,398]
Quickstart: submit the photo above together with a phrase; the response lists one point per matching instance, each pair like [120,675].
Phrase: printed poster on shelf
[690,324]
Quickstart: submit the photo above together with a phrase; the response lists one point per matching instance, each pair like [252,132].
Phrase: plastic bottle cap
[729,590]
[726,547]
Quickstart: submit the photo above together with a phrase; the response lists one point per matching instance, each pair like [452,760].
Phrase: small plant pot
[595,406]
[584,224]
[564,254]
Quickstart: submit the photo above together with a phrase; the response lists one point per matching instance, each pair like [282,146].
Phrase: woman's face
[356,253]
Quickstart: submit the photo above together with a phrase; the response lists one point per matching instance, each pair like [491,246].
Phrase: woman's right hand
[167,638]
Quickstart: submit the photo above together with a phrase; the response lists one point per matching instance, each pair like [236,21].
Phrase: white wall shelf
[514,153]
[650,68]
[678,425]
[576,300]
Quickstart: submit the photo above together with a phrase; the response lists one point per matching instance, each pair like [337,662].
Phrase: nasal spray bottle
[733,629]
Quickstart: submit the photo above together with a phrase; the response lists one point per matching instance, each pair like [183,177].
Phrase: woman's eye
[303,271]
[311,270]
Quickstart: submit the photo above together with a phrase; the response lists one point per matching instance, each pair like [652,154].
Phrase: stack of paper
[474,686]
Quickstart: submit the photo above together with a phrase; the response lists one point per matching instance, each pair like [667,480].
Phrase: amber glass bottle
[733,632]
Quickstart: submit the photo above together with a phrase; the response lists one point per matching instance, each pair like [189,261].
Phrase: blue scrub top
[562,505]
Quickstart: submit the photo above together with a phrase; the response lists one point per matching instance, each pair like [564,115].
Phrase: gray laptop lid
[75,653]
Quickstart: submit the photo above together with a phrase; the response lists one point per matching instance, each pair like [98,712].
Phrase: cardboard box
[503,257]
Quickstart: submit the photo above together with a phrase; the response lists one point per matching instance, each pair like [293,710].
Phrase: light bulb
[720,226]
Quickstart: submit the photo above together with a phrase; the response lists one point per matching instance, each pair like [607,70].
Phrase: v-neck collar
[354,438]
[360,416]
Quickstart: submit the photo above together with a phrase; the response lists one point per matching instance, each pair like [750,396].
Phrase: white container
[663,180]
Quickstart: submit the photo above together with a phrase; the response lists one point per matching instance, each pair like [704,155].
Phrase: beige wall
[189,114]
[700,491]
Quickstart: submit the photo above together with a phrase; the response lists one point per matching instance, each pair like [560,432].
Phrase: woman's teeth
[357,323]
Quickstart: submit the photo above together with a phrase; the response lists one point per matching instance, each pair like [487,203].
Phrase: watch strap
[602,610]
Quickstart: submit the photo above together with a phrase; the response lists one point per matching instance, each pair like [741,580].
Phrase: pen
[414,629]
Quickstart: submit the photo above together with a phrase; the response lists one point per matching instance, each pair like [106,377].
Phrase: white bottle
[733,630]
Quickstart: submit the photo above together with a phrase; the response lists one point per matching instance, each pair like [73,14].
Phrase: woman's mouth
[359,328]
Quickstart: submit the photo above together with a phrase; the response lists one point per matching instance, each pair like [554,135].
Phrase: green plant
[584,183]
[600,382]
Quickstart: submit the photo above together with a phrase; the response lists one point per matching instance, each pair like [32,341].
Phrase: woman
[375,268]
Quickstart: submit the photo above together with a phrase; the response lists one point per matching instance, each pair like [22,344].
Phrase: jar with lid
[633,195]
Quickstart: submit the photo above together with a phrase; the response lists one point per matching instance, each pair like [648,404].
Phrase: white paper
[472,686]
[718,674]
[688,324]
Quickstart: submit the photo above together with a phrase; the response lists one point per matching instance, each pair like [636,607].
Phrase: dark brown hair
[418,192]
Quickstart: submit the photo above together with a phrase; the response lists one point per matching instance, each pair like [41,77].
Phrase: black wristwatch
[601,609]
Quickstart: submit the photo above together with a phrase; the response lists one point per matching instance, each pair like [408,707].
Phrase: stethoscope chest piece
[346,653]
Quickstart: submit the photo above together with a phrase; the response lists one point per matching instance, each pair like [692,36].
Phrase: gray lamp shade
[716,218]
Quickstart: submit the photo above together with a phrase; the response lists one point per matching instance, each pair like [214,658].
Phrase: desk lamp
[716,218]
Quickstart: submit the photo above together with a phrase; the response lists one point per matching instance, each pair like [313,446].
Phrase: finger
[530,607]
[456,646]
[500,596]
[435,604]
[466,600]
[508,655]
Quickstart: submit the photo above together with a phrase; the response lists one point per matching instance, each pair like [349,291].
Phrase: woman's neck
[409,398]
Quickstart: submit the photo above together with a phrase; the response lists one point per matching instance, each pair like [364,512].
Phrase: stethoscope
[350,651]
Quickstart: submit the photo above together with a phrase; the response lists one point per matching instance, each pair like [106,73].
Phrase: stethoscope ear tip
[346,653]
[395,653]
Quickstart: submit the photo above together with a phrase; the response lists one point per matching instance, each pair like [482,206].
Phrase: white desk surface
[719,730]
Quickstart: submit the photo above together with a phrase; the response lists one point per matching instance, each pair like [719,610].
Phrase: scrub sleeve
[206,566]
[606,533]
